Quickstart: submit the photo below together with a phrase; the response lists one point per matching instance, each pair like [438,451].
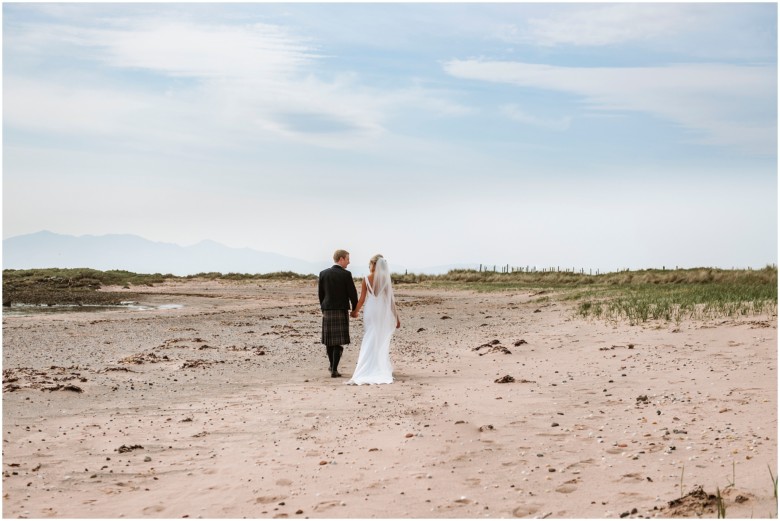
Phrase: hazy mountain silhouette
[130,252]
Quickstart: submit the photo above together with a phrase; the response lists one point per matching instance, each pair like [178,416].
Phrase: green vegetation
[80,278]
[567,279]
[79,285]
[720,504]
[86,277]
[69,286]
[675,303]
[635,296]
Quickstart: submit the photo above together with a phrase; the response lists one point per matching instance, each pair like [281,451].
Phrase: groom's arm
[321,289]
[352,290]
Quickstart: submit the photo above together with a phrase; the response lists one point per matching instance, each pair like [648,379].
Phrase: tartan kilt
[335,327]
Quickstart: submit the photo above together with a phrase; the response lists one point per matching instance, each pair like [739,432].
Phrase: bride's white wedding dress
[379,320]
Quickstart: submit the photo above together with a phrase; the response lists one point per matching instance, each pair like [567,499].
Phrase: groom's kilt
[335,327]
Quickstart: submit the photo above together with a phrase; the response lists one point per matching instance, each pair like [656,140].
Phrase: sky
[595,136]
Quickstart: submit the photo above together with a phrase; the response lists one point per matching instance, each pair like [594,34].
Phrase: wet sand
[225,408]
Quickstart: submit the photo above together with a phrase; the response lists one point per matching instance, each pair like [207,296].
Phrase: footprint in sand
[581,464]
[568,487]
[284,482]
[325,505]
[525,510]
[633,477]
[473,482]
[154,509]
[265,500]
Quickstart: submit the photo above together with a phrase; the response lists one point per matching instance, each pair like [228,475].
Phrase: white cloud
[257,51]
[610,24]
[240,83]
[719,104]
[34,104]
[173,48]
[711,31]
[515,113]
[96,111]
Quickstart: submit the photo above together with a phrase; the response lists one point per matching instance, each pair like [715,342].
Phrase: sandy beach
[224,408]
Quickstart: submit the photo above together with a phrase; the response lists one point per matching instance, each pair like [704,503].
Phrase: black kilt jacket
[337,289]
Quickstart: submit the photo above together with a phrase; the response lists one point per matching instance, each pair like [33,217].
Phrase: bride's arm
[354,313]
[395,312]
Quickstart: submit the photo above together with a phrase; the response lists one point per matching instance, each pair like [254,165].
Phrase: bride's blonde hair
[375,258]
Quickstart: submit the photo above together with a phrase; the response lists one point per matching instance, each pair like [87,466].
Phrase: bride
[381,320]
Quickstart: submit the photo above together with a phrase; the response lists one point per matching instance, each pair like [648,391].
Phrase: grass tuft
[720,504]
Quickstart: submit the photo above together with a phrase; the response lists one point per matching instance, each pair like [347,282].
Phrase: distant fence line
[507,268]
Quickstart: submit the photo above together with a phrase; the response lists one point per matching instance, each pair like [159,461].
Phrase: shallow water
[33,309]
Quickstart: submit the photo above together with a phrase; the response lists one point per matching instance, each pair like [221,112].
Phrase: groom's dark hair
[339,254]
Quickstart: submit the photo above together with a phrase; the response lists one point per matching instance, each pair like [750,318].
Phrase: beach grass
[674,303]
[80,277]
[634,296]
[720,504]
[92,278]
[57,286]
[69,286]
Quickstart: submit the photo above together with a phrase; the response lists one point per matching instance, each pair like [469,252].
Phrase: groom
[337,290]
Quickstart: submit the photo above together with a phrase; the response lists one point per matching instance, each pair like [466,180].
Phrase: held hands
[354,314]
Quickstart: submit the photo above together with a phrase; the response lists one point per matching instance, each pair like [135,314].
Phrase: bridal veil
[379,318]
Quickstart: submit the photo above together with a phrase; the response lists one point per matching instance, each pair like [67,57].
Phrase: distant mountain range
[132,253]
